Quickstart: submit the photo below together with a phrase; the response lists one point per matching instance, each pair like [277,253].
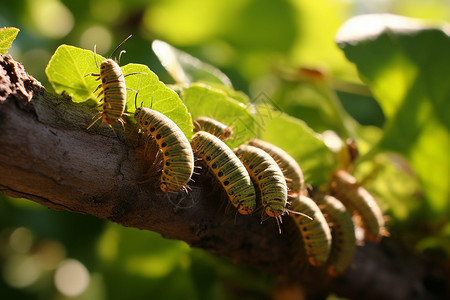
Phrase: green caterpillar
[266,174]
[315,232]
[214,127]
[114,90]
[178,157]
[228,169]
[360,202]
[343,246]
[291,170]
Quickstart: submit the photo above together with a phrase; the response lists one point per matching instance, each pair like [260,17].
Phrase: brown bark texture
[48,156]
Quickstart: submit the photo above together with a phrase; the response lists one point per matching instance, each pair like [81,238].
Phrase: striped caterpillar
[343,246]
[178,159]
[227,168]
[291,170]
[360,202]
[214,127]
[265,174]
[315,232]
[113,90]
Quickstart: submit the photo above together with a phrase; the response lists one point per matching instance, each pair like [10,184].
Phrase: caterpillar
[343,246]
[178,158]
[315,232]
[291,170]
[228,169]
[214,127]
[360,202]
[113,90]
[265,174]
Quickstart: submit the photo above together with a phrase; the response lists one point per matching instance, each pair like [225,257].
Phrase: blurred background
[259,44]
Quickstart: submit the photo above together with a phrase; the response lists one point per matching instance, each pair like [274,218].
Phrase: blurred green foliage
[282,54]
[185,68]
[410,82]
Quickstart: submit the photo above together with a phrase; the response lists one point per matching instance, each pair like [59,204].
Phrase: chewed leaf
[67,69]
[7,36]
[203,100]
[154,94]
[185,68]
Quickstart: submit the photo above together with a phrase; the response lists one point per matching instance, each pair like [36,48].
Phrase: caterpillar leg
[101,115]
[122,122]
[279,222]
[93,74]
[110,126]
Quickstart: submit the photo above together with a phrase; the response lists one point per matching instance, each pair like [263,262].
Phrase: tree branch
[48,156]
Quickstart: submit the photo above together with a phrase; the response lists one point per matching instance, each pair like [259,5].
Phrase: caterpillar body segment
[178,159]
[214,127]
[228,170]
[360,202]
[265,174]
[315,232]
[113,90]
[114,93]
[343,246]
[290,168]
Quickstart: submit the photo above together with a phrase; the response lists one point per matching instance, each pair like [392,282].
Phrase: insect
[343,244]
[214,127]
[360,202]
[265,174]
[113,90]
[291,170]
[315,232]
[228,169]
[178,159]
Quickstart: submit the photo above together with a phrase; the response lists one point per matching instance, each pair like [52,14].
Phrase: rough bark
[48,156]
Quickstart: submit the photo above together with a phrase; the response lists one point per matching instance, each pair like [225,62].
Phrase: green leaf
[230,91]
[154,94]
[204,100]
[69,66]
[67,70]
[314,101]
[7,36]
[184,68]
[407,65]
[300,141]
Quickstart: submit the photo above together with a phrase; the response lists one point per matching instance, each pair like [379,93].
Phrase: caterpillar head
[274,210]
[107,120]
[243,210]
[227,133]
[137,112]
[107,63]
[163,187]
